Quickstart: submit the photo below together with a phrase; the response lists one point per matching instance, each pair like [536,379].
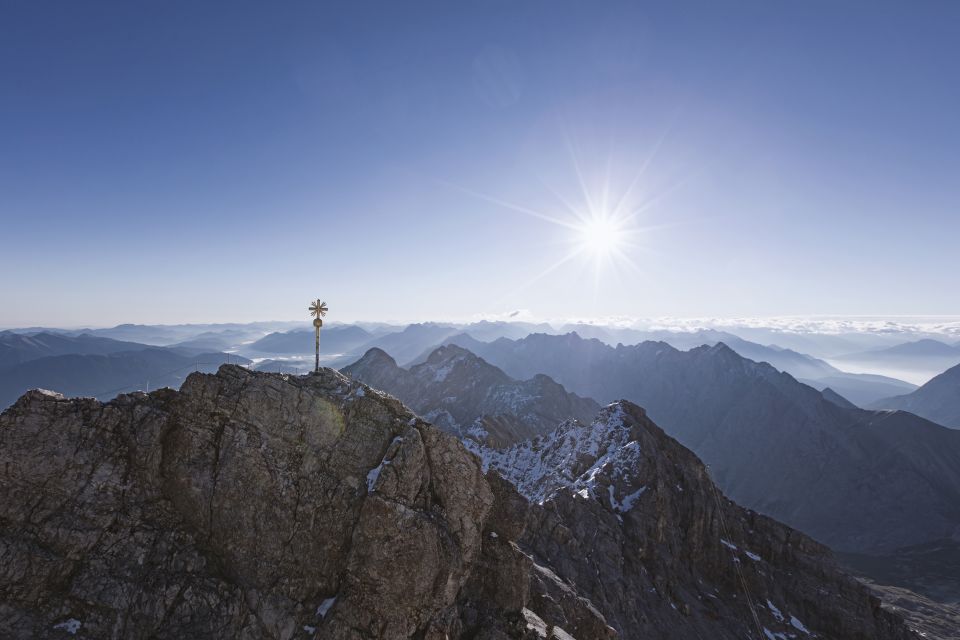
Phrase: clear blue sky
[202,161]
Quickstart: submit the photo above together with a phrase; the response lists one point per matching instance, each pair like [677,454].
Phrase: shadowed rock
[253,505]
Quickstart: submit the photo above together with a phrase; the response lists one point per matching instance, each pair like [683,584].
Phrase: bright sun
[600,235]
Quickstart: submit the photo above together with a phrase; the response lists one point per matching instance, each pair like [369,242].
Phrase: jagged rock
[470,398]
[252,505]
[859,481]
[246,505]
[632,520]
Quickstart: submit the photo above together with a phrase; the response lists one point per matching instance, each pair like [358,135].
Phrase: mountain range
[464,395]
[16,348]
[254,505]
[336,339]
[87,365]
[291,349]
[859,388]
[937,400]
[919,359]
[858,480]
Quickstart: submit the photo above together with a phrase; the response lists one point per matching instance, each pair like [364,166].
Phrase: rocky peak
[246,505]
[468,397]
[376,355]
[456,364]
[448,352]
[617,503]
[252,505]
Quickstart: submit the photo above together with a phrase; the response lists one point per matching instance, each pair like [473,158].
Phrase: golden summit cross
[317,310]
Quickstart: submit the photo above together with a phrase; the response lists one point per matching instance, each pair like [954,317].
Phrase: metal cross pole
[317,310]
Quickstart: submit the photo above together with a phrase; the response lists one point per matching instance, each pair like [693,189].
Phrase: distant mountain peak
[837,399]
[471,398]
[448,352]
[376,354]
[937,400]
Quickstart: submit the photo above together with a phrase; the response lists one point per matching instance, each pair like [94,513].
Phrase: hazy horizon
[948,325]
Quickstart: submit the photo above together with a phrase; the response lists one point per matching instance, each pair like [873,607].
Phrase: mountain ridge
[937,400]
[256,505]
[464,395]
[777,445]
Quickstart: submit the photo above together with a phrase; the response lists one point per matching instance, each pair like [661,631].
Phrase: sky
[166,162]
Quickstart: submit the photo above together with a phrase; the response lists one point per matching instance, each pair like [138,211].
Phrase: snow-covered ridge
[590,460]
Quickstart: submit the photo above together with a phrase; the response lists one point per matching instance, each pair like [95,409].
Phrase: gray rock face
[253,505]
[632,519]
[470,398]
[244,506]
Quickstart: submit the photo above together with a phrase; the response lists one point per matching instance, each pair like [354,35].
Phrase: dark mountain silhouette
[937,400]
[169,334]
[16,348]
[858,388]
[857,480]
[837,399]
[105,376]
[405,346]
[925,347]
[491,330]
[334,339]
[921,359]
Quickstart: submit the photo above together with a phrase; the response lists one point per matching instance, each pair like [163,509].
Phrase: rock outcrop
[253,505]
[246,505]
[472,399]
[632,518]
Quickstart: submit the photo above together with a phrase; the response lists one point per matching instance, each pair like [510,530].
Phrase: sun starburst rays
[605,215]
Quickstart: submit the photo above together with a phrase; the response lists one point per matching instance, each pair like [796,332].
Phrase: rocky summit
[253,505]
[464,395]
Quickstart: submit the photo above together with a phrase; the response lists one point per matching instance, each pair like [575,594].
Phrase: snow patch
[776,612]
[538,468]
[71,626]
[325,606]
[627,502]
[374,473]
[728,544]
[798,625]
[753,556]
[440,373]
[476,431]
[631,499]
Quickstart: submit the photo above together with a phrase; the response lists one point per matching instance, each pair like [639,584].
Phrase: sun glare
[603,222]
[600,235]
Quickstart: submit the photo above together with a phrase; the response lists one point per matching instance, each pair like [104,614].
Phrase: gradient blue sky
[201,161]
